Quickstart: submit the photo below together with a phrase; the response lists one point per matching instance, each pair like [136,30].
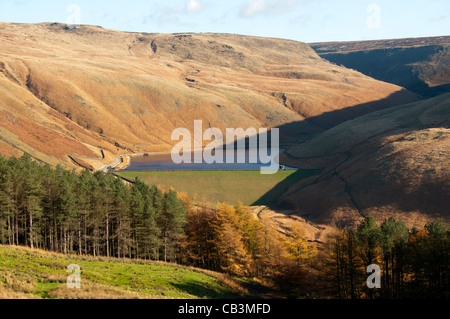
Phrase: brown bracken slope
[393,162]
[73,92]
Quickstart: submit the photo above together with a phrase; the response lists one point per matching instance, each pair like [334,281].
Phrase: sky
[302,20]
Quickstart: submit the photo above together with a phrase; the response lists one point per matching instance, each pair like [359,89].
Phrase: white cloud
[194,6]
[267,7]
[254,7]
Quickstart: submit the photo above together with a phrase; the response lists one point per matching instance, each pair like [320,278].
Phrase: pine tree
[6,209]
[368,236]
[144,221]
[171,222]
[67,209]
[121,214]
[83,193]
[394,236]
[31,199]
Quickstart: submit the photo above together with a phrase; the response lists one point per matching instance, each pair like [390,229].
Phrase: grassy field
[26,273]
[210,187]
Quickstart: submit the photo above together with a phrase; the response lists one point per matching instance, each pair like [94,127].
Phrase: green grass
[31,273]
[249,187]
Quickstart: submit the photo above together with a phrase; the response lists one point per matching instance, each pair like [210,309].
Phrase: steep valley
[74,92]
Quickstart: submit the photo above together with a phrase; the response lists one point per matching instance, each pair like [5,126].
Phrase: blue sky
[302,20]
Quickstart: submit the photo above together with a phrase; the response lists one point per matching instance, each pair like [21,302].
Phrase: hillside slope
[421,65]
[34,274]
[394,162]
[78,91]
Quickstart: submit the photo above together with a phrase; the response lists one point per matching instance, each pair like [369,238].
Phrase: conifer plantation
[89,214]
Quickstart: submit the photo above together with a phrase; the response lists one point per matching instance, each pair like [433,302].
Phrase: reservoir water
[164,162]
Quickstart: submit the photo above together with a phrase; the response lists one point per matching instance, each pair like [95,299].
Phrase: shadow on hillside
[296,133]
[437,90]
[395,65]
[271,197]
[331,119]
[315,197]
[365,181]
[363,186]
[299,132]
